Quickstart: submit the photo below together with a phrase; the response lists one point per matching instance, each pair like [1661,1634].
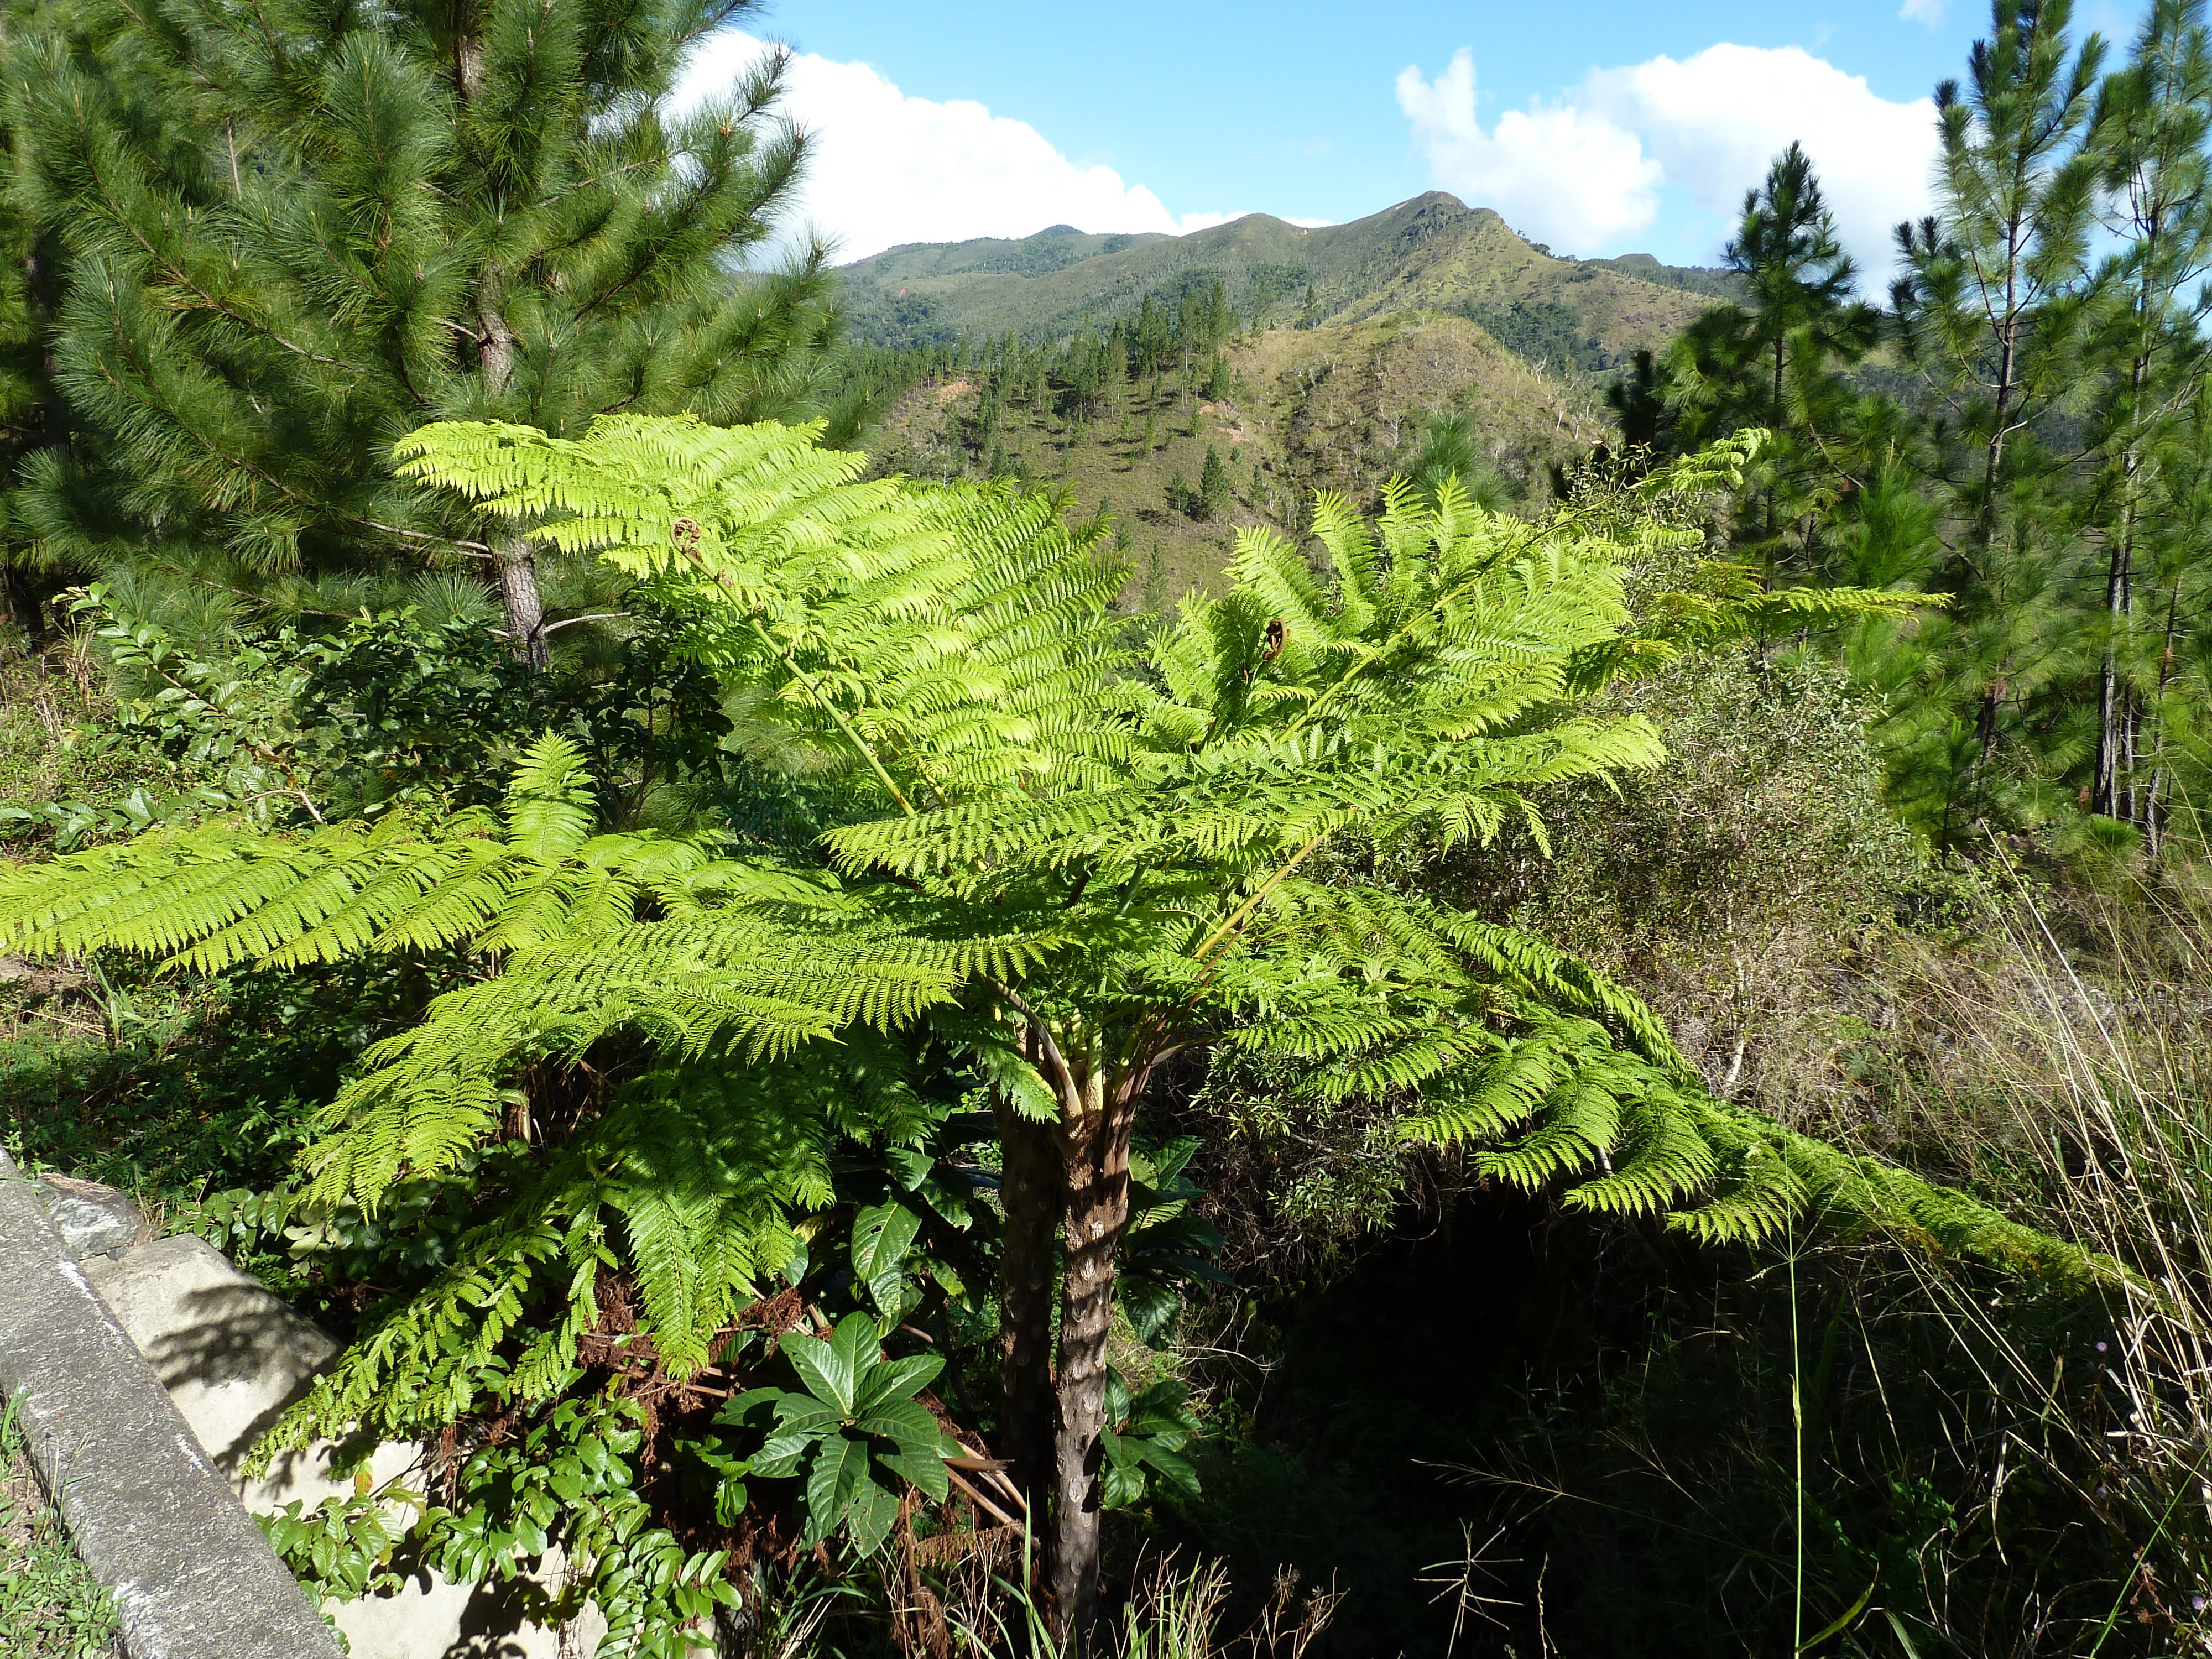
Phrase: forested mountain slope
[1432,252]
[1337,346]
[1337,407]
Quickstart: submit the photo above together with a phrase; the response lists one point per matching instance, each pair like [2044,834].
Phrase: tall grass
[1173,1611]
[2065,1065]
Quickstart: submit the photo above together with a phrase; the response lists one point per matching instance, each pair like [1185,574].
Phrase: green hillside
[1433,253]
[1337,345]
[1337,407]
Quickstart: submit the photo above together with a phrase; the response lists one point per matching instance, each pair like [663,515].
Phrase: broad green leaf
[730,1501]
[803,1414]
[1169,1160]
[909,1165]
[1173,1469]
[779,1459]
[906,1421]
[894,1296]
[1151,1307]
[1117,1398]
[954,1204]
[881,1237]
[1166,1395]
[899,1379]
[824,1367]
[948,1281]
[1119,1485]
[748,1404]
[839,1473]
[873,1513]
[923,1471]
[860,1345]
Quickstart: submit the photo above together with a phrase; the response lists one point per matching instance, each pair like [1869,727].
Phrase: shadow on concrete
[244,1347]
[495,1610]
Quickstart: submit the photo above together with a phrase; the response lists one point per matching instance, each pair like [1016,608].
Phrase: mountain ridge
[1431,251]
[1343,342]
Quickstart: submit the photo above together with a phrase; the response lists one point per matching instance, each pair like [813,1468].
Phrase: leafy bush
[854,1413]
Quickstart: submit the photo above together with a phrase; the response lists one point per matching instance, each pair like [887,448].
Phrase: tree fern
[1075,865]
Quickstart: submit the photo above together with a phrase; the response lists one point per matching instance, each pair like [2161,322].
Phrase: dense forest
[1141,945]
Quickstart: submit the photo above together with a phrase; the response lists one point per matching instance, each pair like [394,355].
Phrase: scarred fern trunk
[1064,1184]
[1098,1177]
[1030,1189]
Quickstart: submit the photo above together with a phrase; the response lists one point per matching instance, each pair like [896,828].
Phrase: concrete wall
[213,1358]
[152,1516]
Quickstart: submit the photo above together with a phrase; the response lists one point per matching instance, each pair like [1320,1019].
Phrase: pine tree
[1152,345]
[1447,457]
[2177,528]
[33,416]
[1990,305]
[1155,597]
[2148,138]
[1213,486]
[1220,320]
[296,232]
[1801,282]
[1772,361]
[1638,401]
[1984,281]
[1071,867]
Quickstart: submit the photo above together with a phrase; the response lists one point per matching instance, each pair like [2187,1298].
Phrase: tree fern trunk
[1098,1210]
[1030,1189]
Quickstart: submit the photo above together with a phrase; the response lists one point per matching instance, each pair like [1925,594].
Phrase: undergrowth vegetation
[733,1316]
[1626,1073]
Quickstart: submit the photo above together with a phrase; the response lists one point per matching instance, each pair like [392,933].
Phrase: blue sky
[1599,125]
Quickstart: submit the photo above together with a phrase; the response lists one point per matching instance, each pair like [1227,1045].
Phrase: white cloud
[1929,12]
[1714,121]
[1566,175]
[886,168]
[1585,173]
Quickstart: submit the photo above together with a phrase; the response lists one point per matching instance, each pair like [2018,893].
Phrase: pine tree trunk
[23,608]
[2106,788]
[495,345]
[2132,797]
[26,596]
[2155,794]
[526,611]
